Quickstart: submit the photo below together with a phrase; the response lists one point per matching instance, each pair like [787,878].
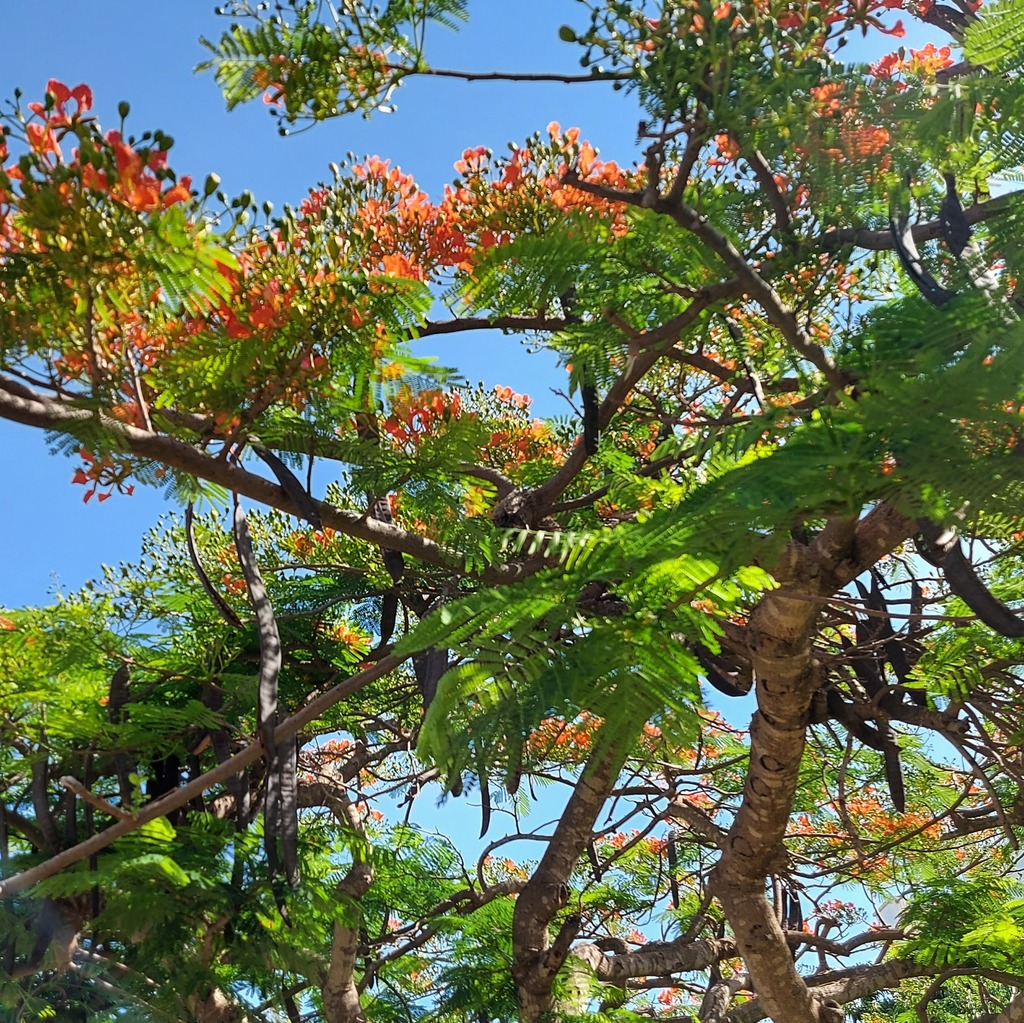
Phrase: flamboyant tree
[793,340]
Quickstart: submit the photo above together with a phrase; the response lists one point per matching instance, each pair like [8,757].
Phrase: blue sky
[144,53]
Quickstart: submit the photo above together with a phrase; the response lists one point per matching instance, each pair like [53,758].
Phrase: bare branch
[74,785]
[406,71]
[656,959]
[435,328]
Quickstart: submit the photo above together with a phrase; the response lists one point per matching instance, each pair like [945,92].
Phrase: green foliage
[536,652]
[973,920]
[995,41]
[324,63]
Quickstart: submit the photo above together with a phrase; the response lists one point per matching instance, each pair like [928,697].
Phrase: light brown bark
[780,641]
[843,986]
[658,960]
[216,1007]
[536,959]
[1013,1013]
[339,990]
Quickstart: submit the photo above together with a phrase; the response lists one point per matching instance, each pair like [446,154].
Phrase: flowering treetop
[791,470]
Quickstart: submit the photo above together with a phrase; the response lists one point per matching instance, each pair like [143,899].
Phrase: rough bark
[780,640]
[339,990]
[843,986]
[718,996]
[1013,1013]
[656,960]
[536,959]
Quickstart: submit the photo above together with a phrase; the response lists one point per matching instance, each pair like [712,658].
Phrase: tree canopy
[789,485]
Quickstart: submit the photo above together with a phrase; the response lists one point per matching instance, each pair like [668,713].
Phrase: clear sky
[144,53]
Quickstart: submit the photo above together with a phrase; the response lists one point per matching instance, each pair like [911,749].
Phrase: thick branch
[845,986]
[779,634]
[880,240]
[659,959]
[340,994]
[535,962]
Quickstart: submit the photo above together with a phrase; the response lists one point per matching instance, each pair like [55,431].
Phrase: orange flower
[42,139]
[396,264]
[57,115]
[929,60]
[889,66]
[728,150]
[865,140]
[827,97]
[181,192]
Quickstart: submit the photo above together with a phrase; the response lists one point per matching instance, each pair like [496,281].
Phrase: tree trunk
[537,960]
[781,643]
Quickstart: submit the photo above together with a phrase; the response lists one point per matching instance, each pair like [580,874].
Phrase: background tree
[792,340]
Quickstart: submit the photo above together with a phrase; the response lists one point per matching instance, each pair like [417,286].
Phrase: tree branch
[780,641]
[21,405]
[1013,1013]
[882,240]
[339,990]
[528,507]
[435,328]
[536,963]
[510,76]
[754,285]
[658,959]
[845,986]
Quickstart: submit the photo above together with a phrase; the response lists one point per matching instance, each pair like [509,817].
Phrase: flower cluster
[923,63]
[416,416]
[102,474]
[138,178]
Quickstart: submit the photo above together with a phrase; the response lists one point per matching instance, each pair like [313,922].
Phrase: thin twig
[510,76]
[74,785]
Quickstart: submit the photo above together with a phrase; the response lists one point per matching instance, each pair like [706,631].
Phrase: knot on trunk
[830,1011]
